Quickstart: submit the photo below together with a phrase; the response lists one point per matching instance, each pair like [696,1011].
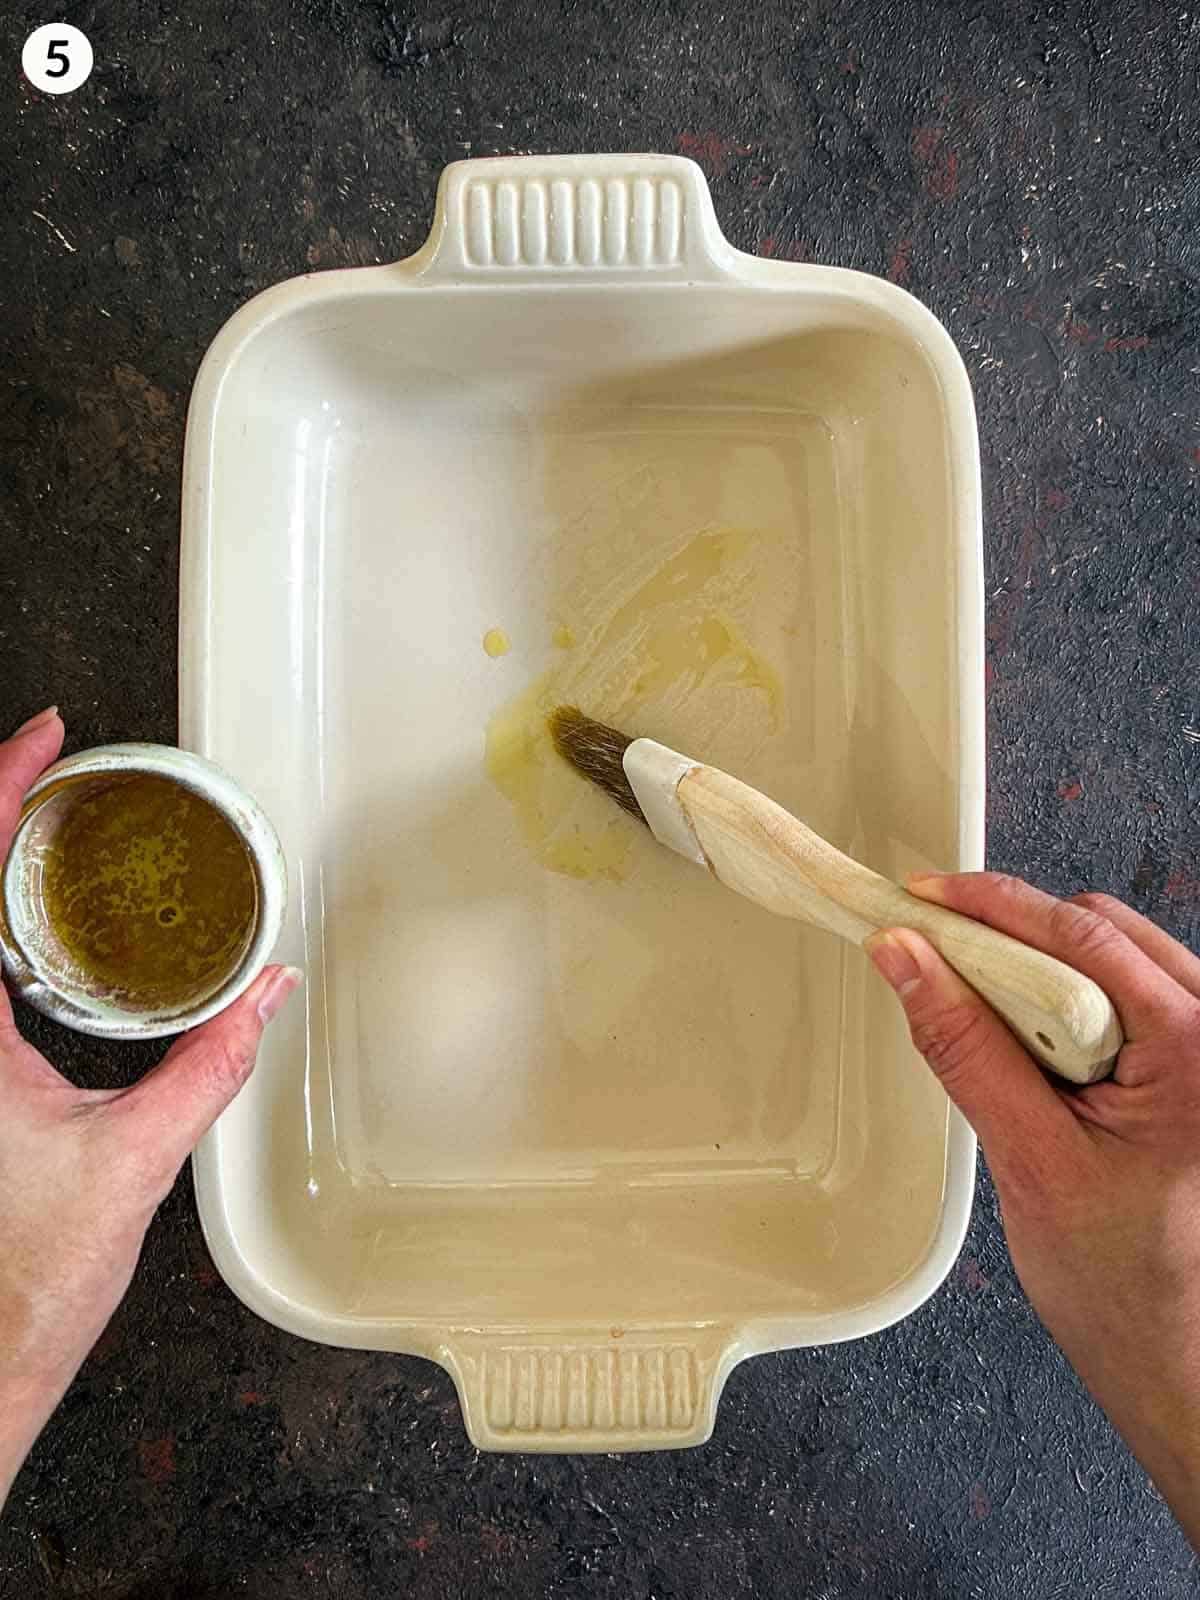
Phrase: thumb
[984,1069]
[173,1106]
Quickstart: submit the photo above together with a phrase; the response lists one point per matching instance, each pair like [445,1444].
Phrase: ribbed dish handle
[608,1390]
[595,216]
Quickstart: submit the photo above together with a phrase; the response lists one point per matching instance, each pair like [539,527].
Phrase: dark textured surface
[1030,172]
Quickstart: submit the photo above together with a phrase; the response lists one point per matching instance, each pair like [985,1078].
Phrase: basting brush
[759,850]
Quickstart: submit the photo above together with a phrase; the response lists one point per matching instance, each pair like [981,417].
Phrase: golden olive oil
[149,891]
[636,658]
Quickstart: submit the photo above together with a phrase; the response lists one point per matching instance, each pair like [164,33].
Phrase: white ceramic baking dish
[586,1141]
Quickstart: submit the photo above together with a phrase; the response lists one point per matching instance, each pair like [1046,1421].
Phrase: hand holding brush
[759,850]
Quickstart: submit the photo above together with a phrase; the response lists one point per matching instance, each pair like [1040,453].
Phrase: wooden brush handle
[762,852]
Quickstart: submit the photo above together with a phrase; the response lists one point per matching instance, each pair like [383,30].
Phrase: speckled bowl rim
[252,826]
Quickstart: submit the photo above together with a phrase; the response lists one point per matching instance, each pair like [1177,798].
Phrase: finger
[168,1111]
[8,1023]
[23,756]
[985,1071]
[1174,958]
[1146,997]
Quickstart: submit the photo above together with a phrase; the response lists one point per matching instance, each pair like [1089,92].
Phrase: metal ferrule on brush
[655,773]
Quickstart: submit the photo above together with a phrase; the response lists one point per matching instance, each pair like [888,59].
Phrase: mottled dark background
[1030,171]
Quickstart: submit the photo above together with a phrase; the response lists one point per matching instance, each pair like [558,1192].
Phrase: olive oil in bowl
[143,892]
[148,892]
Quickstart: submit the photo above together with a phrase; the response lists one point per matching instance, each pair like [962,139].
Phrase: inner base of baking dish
[523,1087]
[493,1019]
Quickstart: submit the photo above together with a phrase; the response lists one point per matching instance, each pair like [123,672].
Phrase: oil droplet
[564,637]
[496,642]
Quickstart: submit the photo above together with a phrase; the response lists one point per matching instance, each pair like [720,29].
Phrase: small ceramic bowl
[38,968]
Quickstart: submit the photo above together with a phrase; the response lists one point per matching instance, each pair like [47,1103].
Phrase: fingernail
[926,885]
[893,962]
[277,991]
[39,721]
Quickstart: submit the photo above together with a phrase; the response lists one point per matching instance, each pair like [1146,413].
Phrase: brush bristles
[596,751]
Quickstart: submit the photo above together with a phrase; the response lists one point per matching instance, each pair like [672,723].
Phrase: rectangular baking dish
[575,1122]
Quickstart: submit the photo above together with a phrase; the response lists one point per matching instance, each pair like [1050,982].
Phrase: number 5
[56,52]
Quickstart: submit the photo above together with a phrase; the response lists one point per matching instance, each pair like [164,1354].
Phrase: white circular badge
[57,58]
